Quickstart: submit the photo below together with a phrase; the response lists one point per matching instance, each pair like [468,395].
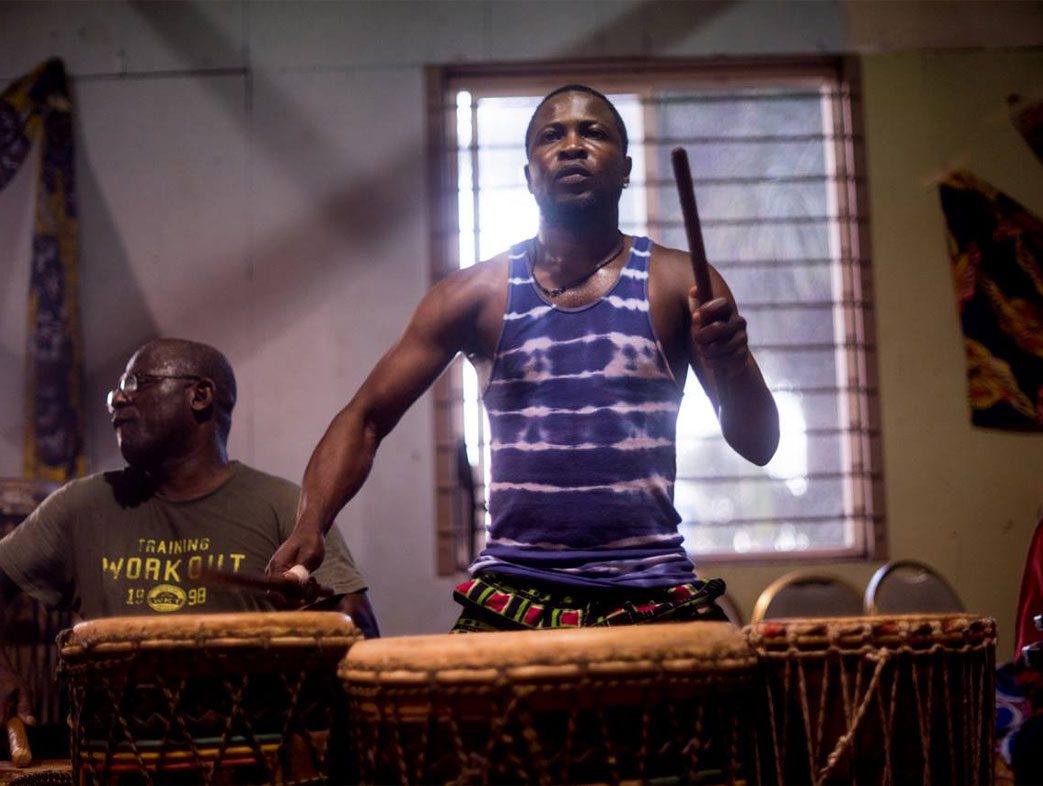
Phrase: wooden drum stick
[18,742]
[308,590]
[685,190]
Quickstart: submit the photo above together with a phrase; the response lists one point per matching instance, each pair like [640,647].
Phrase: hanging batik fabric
[996,247]
[1027,117]
[38,109]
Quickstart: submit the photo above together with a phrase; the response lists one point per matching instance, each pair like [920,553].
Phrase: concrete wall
[252,175]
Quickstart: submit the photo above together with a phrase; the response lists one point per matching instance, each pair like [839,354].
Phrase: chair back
[910,587]
[804,593]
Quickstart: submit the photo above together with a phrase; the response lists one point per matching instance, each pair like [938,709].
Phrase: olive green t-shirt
[107,546]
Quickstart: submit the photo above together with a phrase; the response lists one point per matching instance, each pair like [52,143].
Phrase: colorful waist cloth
[491,603]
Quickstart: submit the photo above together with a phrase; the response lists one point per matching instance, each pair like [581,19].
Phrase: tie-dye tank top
[583,411]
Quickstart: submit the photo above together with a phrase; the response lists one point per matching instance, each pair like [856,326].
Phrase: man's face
[153,421]
[576,160]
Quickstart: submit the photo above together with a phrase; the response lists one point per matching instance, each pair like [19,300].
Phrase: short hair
[203,360]
[577,88]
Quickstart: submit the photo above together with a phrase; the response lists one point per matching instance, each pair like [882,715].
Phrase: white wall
[252,175]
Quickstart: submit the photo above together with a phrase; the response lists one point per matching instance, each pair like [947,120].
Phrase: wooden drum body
[554,706]
[214,698]
[891,700]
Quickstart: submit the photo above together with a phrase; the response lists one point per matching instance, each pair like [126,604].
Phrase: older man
[582,337]
[139,540]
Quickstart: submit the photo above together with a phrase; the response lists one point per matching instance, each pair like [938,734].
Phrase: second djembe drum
[886,700]
[554,706]
[212,698]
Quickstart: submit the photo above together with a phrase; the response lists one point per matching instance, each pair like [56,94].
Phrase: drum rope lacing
[110,671]
[897,646]
[429,696]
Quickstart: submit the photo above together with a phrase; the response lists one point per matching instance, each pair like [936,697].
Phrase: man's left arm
[357,606]
[339,572]
[719,352]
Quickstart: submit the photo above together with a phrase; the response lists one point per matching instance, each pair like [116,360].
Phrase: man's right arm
[34,558]
[15,699]
[442,325]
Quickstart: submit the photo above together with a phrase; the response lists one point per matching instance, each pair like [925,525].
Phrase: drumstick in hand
[685,190]
[18,742]
[307,591]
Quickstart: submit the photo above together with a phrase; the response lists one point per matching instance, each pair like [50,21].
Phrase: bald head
[180,356]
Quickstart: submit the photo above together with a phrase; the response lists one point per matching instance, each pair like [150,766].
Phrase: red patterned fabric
[1030,602]
[491,602]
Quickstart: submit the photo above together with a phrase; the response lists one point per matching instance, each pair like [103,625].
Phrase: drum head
[222,698]
[634,703]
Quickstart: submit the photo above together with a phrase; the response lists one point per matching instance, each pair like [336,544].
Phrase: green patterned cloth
[491,602]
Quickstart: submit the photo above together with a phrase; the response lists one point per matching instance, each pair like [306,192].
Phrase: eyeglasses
[131,383]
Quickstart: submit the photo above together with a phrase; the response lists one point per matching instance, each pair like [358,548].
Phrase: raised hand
[719,335]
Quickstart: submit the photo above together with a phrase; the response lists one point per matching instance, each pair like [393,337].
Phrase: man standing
[138,540]
[582,337]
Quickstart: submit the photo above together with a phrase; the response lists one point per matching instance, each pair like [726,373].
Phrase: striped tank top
[582,409]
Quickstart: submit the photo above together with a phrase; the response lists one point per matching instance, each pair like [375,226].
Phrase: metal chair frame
[760,608]
[727,604]
[869,604]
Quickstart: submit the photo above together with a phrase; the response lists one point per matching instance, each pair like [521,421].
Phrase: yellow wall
[962,499]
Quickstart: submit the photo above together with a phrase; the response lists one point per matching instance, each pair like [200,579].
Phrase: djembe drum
[553,706]
[891,700]
[210,698]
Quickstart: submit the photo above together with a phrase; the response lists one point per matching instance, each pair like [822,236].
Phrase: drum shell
[903,699]
[552,706]
[221,698]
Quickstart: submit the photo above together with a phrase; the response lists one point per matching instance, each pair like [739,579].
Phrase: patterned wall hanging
[996,246]
[37,109]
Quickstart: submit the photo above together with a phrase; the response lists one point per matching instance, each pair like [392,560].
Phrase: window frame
[854,319]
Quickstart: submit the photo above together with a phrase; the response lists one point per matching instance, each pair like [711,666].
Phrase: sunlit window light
[790,462]
[465,169]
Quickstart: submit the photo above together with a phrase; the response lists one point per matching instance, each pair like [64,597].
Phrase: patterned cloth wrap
[1019,720]
[491,603]
[996,247]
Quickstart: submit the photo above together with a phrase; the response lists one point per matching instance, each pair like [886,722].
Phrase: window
[775,153]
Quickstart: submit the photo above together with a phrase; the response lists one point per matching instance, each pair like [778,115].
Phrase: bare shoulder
[465,291]
[665,253]
[467,305]
[491,279]
[477,281]
[670,273]
[490,274]
[671,269]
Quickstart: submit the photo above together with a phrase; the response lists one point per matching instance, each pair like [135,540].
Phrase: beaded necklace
[556,291]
